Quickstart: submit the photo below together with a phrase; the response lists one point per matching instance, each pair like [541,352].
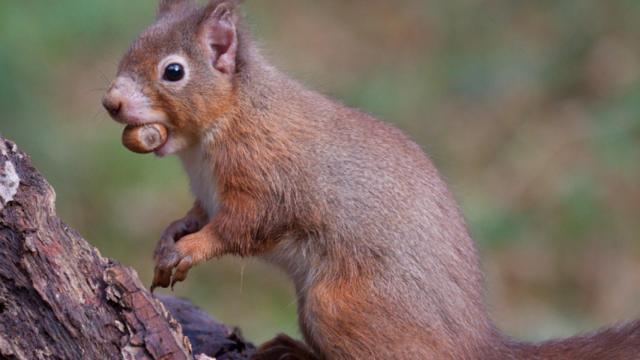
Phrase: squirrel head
[180,72]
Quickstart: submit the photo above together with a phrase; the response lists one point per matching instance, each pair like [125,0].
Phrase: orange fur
[349,207]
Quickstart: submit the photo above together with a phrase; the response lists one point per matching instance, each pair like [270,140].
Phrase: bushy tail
[615,343]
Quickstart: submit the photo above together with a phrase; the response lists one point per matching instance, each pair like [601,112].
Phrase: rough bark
[60,299]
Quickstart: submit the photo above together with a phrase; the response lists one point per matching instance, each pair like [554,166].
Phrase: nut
[144,139]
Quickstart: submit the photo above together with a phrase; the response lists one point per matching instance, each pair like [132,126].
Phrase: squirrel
[352,209]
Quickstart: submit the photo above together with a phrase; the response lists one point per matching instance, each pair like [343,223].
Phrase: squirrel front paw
[169,258]
[174,259]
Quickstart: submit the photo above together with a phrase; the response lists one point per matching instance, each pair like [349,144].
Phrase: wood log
[60,299]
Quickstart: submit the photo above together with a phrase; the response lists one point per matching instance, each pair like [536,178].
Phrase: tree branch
[60,299]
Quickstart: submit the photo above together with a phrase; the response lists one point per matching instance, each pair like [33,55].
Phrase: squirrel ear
[167,6]
[218,34]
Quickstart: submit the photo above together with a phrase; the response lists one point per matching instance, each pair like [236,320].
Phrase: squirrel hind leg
[284,348]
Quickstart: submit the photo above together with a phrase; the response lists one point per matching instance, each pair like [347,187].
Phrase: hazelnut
[144,139]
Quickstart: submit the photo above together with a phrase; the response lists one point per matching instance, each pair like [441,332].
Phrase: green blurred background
[530,108]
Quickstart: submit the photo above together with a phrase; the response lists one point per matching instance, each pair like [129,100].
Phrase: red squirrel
[350,207]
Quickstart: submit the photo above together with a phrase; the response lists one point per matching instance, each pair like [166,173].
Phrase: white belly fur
[202,176]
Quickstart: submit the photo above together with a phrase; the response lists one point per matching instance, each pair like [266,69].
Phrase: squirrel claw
[169,273]
[182,270]
[174,280]
[161,278]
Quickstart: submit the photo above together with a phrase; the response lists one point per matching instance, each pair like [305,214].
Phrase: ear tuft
[218,34]
[218,9]
[168,6]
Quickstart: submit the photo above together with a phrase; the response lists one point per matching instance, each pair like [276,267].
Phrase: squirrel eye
[173,72]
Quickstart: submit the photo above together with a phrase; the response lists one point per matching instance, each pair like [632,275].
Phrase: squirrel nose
[113,106]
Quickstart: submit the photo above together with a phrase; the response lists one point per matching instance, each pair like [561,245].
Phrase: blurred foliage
[530,108]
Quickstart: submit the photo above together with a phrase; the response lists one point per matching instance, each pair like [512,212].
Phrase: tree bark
[60,299]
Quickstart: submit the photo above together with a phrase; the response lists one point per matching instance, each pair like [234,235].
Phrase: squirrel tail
[614,343]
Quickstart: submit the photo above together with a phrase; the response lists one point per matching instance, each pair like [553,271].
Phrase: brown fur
[348,206]
[283,348]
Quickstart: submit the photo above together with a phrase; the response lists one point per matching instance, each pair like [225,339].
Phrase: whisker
[104,76]
[96,90]
[98,116]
